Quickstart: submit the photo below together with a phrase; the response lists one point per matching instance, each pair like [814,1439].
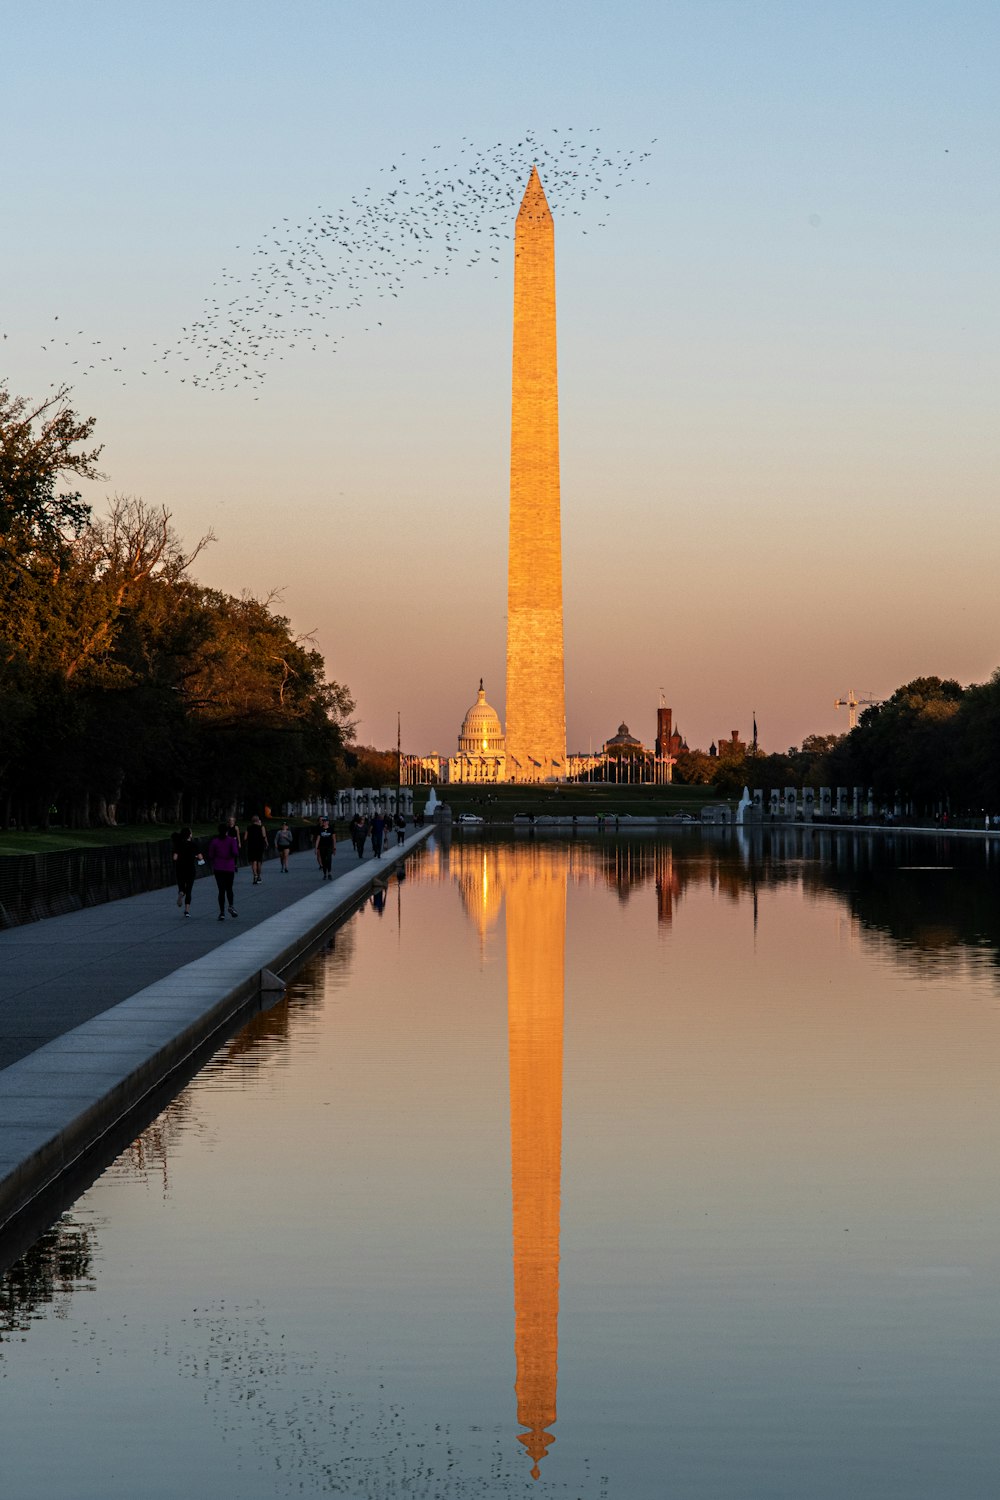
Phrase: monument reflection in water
[782,1273]
[535,913]
[529,883]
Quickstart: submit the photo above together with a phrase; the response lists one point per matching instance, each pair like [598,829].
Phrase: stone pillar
[825,802]
[536,706]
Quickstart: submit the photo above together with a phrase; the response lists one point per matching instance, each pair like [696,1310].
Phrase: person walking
[378,832]
[223,854]
[283,841]
[326,847]
[359,833]
[176,839]
[256,847]
[399,823]
[187,858]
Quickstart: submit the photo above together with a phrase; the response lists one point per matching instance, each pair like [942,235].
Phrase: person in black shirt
[326,845]
[186,860]
[256,847]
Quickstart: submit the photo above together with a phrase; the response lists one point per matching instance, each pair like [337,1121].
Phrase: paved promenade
[62,971]
[98,1006]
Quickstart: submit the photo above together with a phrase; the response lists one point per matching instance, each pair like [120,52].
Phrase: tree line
[933,745]
[129,692]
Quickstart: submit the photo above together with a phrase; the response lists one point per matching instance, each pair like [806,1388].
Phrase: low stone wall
[35,886]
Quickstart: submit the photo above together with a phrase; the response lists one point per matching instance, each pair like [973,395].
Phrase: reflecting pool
[605,1170]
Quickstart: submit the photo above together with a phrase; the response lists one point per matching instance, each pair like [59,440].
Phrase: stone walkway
[62,971]
[97,1007]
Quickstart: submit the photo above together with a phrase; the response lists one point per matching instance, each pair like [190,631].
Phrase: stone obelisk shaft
[536,701]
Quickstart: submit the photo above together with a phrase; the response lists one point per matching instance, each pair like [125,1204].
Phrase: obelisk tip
[534,201]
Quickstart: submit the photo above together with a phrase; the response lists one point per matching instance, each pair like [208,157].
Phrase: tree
[978,750]
[38,444]
[907,745]
[122,681]
[695,768]
[367,766]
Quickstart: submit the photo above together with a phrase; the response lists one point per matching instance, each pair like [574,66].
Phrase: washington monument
[536,697]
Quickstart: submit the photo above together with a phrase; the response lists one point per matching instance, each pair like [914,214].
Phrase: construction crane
[852,705]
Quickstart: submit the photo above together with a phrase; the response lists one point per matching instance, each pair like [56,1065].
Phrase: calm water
[661,1170]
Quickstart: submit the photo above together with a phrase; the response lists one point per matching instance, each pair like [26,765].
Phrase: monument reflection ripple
[752,1230]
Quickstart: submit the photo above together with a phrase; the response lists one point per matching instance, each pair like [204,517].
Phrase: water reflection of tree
[936,899]
[60,1259]
[47,1275]
[930,915]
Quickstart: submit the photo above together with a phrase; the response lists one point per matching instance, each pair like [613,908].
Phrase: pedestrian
[378,832]
[256,847]
[223,854]
[399,823]
[233,829]
[326,848]
[359,833]
[176,840]
[283,841]
[187,858]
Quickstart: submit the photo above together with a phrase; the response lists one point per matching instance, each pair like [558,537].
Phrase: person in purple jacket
[223,854]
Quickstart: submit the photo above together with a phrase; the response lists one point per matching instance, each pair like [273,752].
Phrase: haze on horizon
[777,361]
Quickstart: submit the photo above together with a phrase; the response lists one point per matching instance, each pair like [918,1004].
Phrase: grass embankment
[52,840]
[500,803]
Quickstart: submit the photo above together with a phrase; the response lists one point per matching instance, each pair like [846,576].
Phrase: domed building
[482,753]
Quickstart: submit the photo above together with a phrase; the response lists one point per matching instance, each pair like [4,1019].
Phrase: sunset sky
[779,356]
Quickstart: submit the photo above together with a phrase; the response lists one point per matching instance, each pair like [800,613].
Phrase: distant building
[667,747]
[732,749]
[669,741]
[482,751]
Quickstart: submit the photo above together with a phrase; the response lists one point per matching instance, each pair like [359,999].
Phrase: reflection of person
[283,841]
[186,858]
[223,853]
[325,846]
[256,846]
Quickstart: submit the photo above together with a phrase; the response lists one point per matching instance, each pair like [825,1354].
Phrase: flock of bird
[310,285]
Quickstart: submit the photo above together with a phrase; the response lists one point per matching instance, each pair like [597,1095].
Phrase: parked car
[469,818]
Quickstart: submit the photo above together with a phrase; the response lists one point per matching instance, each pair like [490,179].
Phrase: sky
[778,342]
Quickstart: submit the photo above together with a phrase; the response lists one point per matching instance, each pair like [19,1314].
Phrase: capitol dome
[482,732]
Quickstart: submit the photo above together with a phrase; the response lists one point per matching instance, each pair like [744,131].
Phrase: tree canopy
[40,443]
[126,686]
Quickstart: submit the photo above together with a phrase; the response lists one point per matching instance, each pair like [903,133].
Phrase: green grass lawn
[583,800]
[42,841]
[39,841]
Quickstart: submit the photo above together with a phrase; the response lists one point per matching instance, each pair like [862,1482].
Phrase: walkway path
[97,1007]
[59,972]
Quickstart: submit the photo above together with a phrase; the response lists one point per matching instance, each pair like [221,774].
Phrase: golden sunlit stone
[536,705]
